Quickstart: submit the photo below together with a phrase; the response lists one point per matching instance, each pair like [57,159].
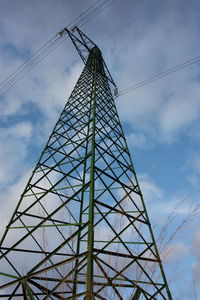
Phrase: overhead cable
[39,55]
[159,75]
[51,45]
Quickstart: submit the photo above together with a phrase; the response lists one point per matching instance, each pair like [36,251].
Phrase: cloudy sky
[138,39]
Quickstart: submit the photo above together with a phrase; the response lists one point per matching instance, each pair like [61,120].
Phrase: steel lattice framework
[81,229]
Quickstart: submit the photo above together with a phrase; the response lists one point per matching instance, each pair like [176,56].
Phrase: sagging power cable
[39,55]
[159,75]
[51,45]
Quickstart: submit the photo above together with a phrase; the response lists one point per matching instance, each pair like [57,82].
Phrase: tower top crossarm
[84,46]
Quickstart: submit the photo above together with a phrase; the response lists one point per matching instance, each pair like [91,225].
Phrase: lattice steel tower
[81,229]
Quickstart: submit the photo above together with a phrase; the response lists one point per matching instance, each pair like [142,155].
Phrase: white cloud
[196,245]
[162,112]
[10,108]
[180,112]
[13,149]
[20,130]
[149,189]
[138,140]
[192,167]
[195,250]
[166,108]
[174,252]
[9,201]
[194,180]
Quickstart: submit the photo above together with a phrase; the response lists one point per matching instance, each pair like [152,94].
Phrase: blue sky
[161,120]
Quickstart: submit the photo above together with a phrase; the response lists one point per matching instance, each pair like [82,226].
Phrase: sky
[138,39]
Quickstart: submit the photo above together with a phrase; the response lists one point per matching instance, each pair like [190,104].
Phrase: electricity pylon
[81,228]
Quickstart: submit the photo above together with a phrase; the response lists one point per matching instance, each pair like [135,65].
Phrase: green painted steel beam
[90,242]
[86,157]
[119,242]
[8,275]
[42,226]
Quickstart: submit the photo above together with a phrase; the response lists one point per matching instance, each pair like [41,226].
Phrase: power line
[40,49]
[97,12]
[127,90]
[82,14]
[160,75]
[51,45]
[29,66]
[92,12]
[39,55]
[13,180]
[146,12]
[43,48]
